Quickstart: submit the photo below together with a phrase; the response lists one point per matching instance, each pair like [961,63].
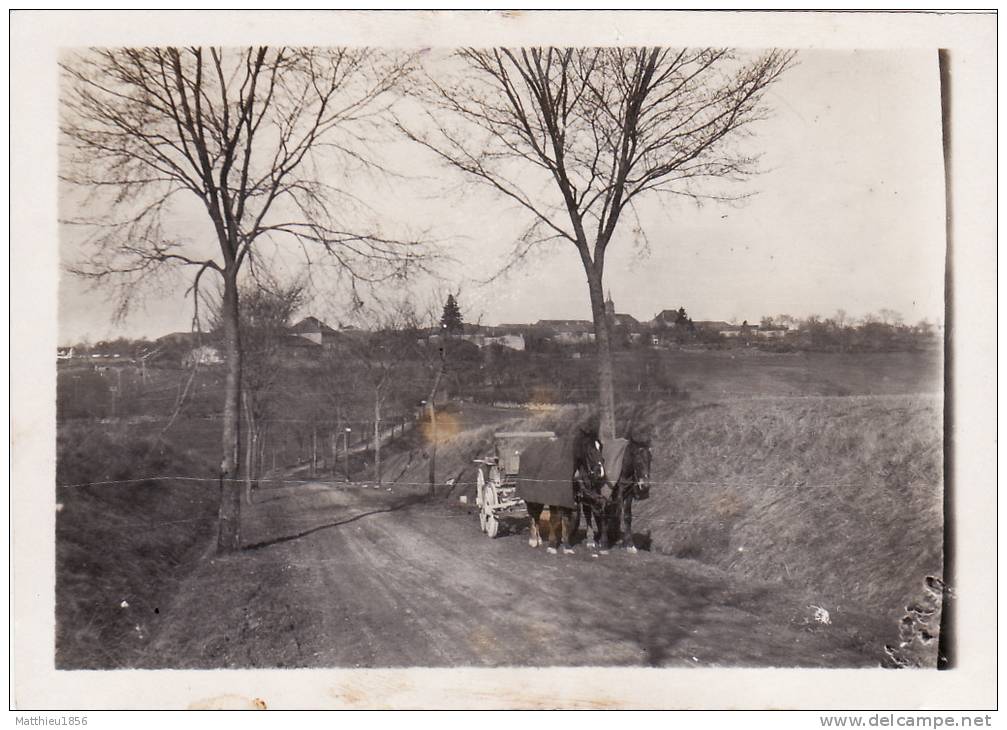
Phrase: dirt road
[354,577]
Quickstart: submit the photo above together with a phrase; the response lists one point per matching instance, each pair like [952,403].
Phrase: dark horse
[588,476]
[614,514]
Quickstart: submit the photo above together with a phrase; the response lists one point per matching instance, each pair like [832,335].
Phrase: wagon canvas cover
[546,472]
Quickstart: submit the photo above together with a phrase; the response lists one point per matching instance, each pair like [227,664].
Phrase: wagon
[504,485]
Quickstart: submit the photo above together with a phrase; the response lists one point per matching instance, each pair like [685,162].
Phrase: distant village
[311,336]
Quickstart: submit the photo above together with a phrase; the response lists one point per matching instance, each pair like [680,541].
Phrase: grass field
[715,374]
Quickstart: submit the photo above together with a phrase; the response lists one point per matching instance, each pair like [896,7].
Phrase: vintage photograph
[512,356]
[484,343]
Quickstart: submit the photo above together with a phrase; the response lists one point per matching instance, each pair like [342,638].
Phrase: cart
[498,492]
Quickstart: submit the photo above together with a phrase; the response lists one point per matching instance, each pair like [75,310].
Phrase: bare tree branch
[253,136]
[577,135]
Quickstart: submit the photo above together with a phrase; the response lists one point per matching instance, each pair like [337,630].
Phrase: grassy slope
[842,494]
[126,542]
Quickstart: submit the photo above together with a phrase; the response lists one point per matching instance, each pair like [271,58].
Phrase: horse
[588,474]
[614,515]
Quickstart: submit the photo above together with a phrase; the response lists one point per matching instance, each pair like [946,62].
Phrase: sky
[848,214]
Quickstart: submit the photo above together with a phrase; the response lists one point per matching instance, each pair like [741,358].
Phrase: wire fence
[651,520]
[455,483]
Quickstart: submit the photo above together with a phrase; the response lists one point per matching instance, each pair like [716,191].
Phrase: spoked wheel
[486,515]
[481,498]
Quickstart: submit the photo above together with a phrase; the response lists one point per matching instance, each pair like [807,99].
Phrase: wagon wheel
[481,497]
[486,515]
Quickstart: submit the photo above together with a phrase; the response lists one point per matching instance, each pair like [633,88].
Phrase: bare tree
[787,320]
[575,137]
[245,140]
[265,313]
[385,350]
[890,317]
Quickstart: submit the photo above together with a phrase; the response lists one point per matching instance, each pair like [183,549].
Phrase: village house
[744,329]
[189,347]
[666,318]
[627,321]
[725,329]
[509,340]
[567,331]
[771,331]
[202,355]
[316,331]
[669,326]
[624,326]
[483,336]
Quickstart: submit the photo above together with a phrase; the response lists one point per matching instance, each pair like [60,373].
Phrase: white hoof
[551,550]
[632,550]
[533,542]
[568,551]
[603,552]
[590,544]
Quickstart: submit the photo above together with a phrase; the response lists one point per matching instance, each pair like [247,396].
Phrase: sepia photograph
[513,353]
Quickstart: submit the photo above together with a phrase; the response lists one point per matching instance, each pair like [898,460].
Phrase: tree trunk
[229,533]
[249,448]
[603,346]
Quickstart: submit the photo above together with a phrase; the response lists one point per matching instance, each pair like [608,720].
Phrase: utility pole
[346,453]
[114,389]
[433,424]
[335,442]
[314,449]
[377,437]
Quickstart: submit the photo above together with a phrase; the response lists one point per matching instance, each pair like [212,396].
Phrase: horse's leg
[566,522]
[554,520]
[589,533]
[614,517]
[615,520]
[627,521]
[601,521]
[534,512]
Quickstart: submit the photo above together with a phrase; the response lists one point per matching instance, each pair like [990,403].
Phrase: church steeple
[609,305]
